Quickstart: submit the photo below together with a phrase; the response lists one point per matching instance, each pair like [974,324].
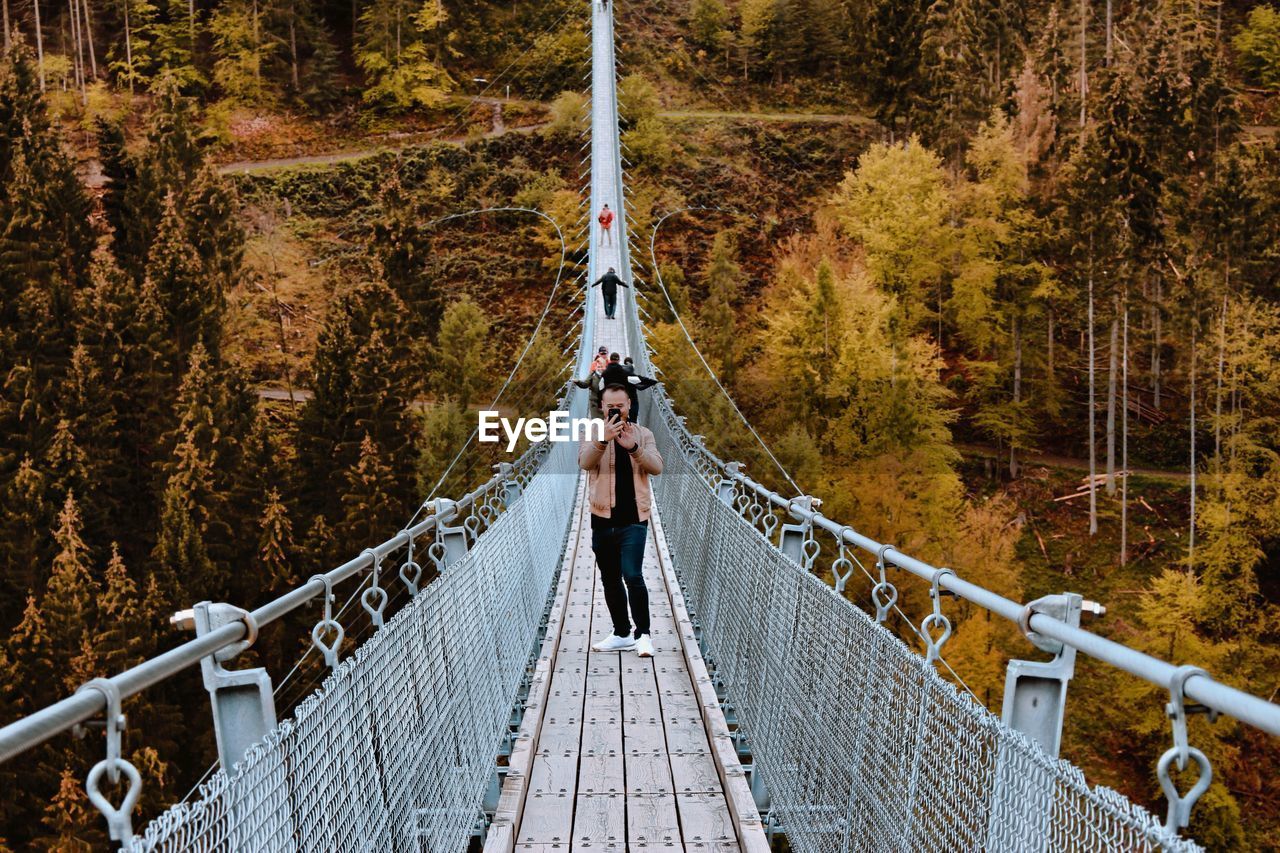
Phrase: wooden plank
[695,773]
[600,773]
[510,812]
[705,818]
[649,773]
[744,818]
[599,820]
[652,819]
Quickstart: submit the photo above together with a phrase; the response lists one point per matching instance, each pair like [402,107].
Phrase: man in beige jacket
[618,488]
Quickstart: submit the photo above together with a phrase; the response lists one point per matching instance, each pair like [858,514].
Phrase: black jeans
[620,555]
[610,303]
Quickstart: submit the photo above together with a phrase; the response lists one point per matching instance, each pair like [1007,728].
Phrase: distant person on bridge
[621,374]
[606,225]
[609,284]
[619,469]
[601,361]
[594,381]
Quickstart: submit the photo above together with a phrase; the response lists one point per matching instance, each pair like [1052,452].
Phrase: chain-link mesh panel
[395,750]
[862,746]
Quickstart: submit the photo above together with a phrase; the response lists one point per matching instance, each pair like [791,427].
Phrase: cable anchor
[884,594]
[374,599]
[1179,815]
[328,623]
[119,821]
[936,620]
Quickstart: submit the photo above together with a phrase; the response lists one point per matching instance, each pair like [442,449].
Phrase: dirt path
[499,128]
[1068,463]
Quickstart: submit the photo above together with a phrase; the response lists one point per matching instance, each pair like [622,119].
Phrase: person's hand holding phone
[613,425]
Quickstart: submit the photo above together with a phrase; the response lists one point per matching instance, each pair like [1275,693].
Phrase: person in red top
[606,223]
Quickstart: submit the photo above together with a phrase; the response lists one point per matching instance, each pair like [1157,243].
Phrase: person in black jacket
[609,283]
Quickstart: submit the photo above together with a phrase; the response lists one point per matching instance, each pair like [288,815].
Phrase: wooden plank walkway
[619,752]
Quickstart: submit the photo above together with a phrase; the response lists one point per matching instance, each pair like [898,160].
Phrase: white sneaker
[644,646]
[614,643]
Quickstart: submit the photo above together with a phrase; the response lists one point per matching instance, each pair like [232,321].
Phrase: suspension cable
[657,275]
[564,251]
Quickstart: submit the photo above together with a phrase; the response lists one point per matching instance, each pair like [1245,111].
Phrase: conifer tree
[123,635]
[369,504]
[724,284]
[893,67]
[275,544]
[26,513]
[68,606]
[361,387]
[192,302]
[403,251]
[69,818]
[31,656]
[395,51]
[460,369]
[242,50]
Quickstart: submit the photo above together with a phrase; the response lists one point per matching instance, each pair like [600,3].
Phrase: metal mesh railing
[396,749]
[862,746]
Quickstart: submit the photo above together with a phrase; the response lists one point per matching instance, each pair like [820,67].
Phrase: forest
[998,281]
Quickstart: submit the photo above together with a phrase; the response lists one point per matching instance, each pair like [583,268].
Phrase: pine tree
[31,657]
[123,635]
[460,369]
[69,819]
[27,512]
[894,64]
[724,283]
[369,506]
[275,544]
[242,50]
[68,605]
[395,53]
[176,44]
[193,303]
[361,386]
[403,250]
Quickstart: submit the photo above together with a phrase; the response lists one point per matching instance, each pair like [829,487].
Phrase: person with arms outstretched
[609,284]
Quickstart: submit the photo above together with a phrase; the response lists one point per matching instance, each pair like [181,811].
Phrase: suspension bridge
[478,714]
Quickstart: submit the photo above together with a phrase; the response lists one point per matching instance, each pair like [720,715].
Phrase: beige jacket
[597,459]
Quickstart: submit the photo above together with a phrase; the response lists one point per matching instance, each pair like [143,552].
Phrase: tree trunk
[1093,449]
[1111,401]
[191,27]
[1017,390]
[1217,417]
[293,46]
[4,5]
[88,37]
[1108,33]
[77,51]
[35,5]
[1191,539]
[1049,359]
[1124,442]
[1084,73]
[128,43]
[1156,343]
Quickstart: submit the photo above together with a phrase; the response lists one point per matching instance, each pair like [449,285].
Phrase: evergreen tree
[68,605]
[177,40]
[460,369]
[395,51]
[242,50]
[70,822]
[403,250]
[893,68]
[193,302]
[370,507]
[361,386]
[26,512]
[275,544]
[123,635]
[724,280]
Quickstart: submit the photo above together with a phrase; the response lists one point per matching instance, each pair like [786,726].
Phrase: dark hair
[614,356]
